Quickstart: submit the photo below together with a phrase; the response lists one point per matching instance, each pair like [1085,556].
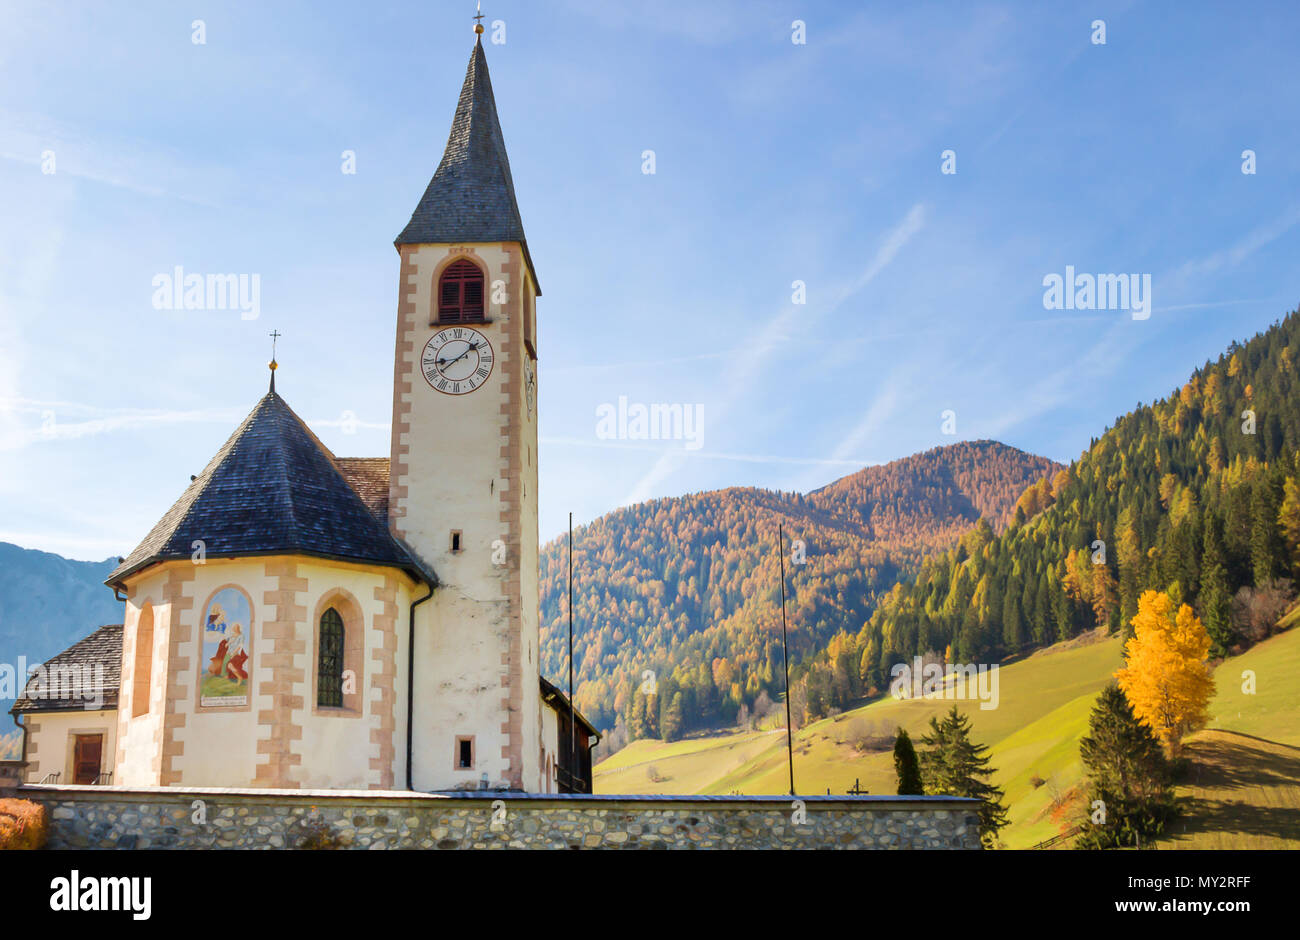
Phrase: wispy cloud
[132,165]
[664,451]
[882,406]
[53,427]
[1235,254]
[774,335]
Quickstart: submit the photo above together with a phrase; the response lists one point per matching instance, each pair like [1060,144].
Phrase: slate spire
[471,197]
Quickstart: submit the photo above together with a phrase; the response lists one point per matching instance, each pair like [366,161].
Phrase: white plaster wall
[52,747]
[458,689]
[337,747]
[220,745]
[550,744]
[140,735]
[455,480]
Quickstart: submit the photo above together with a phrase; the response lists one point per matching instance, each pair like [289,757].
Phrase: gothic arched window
[460,293]
[329,670]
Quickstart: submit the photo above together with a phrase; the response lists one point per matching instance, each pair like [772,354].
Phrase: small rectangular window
[455,540]
[465,753]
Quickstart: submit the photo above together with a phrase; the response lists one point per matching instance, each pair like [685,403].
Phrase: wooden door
[85,758]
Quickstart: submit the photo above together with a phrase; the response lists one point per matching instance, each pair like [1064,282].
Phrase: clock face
[457,360]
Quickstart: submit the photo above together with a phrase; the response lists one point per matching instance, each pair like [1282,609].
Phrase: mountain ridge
[701,590]
[48,602]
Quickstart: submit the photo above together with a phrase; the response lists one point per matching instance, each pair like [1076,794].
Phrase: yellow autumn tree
[1167,677]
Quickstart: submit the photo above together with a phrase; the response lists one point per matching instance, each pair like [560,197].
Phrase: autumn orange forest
[972,552]
[689,587]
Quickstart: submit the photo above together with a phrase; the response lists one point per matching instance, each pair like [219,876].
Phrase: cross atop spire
[274,334]
[478,19]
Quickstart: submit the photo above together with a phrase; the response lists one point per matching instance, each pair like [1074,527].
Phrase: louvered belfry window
[329,671]
[460,293]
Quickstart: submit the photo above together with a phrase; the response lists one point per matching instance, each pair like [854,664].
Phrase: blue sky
[775,162]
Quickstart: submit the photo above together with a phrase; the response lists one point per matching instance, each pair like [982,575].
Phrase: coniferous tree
[1042,613]
[1130,788]
[1288,521]
[671,723]
[906,765]
[954,765]
[1265,541]
[1216,602]
[636,723]
[1012,624]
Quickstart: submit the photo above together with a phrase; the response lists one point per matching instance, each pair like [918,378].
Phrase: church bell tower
[463,464]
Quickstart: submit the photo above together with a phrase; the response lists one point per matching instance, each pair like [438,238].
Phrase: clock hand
[470,348]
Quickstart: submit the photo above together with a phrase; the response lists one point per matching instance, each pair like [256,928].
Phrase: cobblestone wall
[11,773]
[156,818]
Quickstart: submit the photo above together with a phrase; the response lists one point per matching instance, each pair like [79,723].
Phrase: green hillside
[825,751]
[1273,710]
[1244,794]
[1243,789]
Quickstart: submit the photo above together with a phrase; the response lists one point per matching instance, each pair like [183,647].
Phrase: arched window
[141,686]
[329,671]
[460,293]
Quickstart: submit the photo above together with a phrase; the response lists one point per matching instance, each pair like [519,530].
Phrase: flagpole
[785,656]
[573,747]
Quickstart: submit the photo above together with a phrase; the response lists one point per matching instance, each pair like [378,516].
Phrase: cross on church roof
[274,334]
[478,19]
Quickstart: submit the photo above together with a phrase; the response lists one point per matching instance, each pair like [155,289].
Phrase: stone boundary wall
[12,773]
[201,818]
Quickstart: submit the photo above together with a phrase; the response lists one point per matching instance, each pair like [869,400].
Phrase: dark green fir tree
[906,766]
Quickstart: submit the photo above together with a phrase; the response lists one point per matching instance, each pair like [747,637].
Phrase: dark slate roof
[369,477]
[559,702]
[273,489]
[471,197]
[68,691]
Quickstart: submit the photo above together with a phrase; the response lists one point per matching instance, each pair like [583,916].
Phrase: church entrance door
[85,758]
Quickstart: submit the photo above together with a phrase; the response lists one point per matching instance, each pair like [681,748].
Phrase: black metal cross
[274,334]
[857,788]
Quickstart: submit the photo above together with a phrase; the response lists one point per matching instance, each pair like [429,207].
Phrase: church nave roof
[275,489]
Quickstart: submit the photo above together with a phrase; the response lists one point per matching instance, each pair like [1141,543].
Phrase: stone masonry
[197,818]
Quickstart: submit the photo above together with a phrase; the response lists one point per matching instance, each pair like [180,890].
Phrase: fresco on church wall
[227,646]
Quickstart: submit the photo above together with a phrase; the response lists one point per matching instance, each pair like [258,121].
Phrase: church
[303,620]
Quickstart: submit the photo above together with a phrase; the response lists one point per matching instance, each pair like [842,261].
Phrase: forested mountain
[1196,495]
[688,587]
[48,602]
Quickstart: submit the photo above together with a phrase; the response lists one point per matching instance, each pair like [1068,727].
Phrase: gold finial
[478,24]
[274,334]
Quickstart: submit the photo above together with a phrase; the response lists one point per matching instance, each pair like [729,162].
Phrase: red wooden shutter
[460,293]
